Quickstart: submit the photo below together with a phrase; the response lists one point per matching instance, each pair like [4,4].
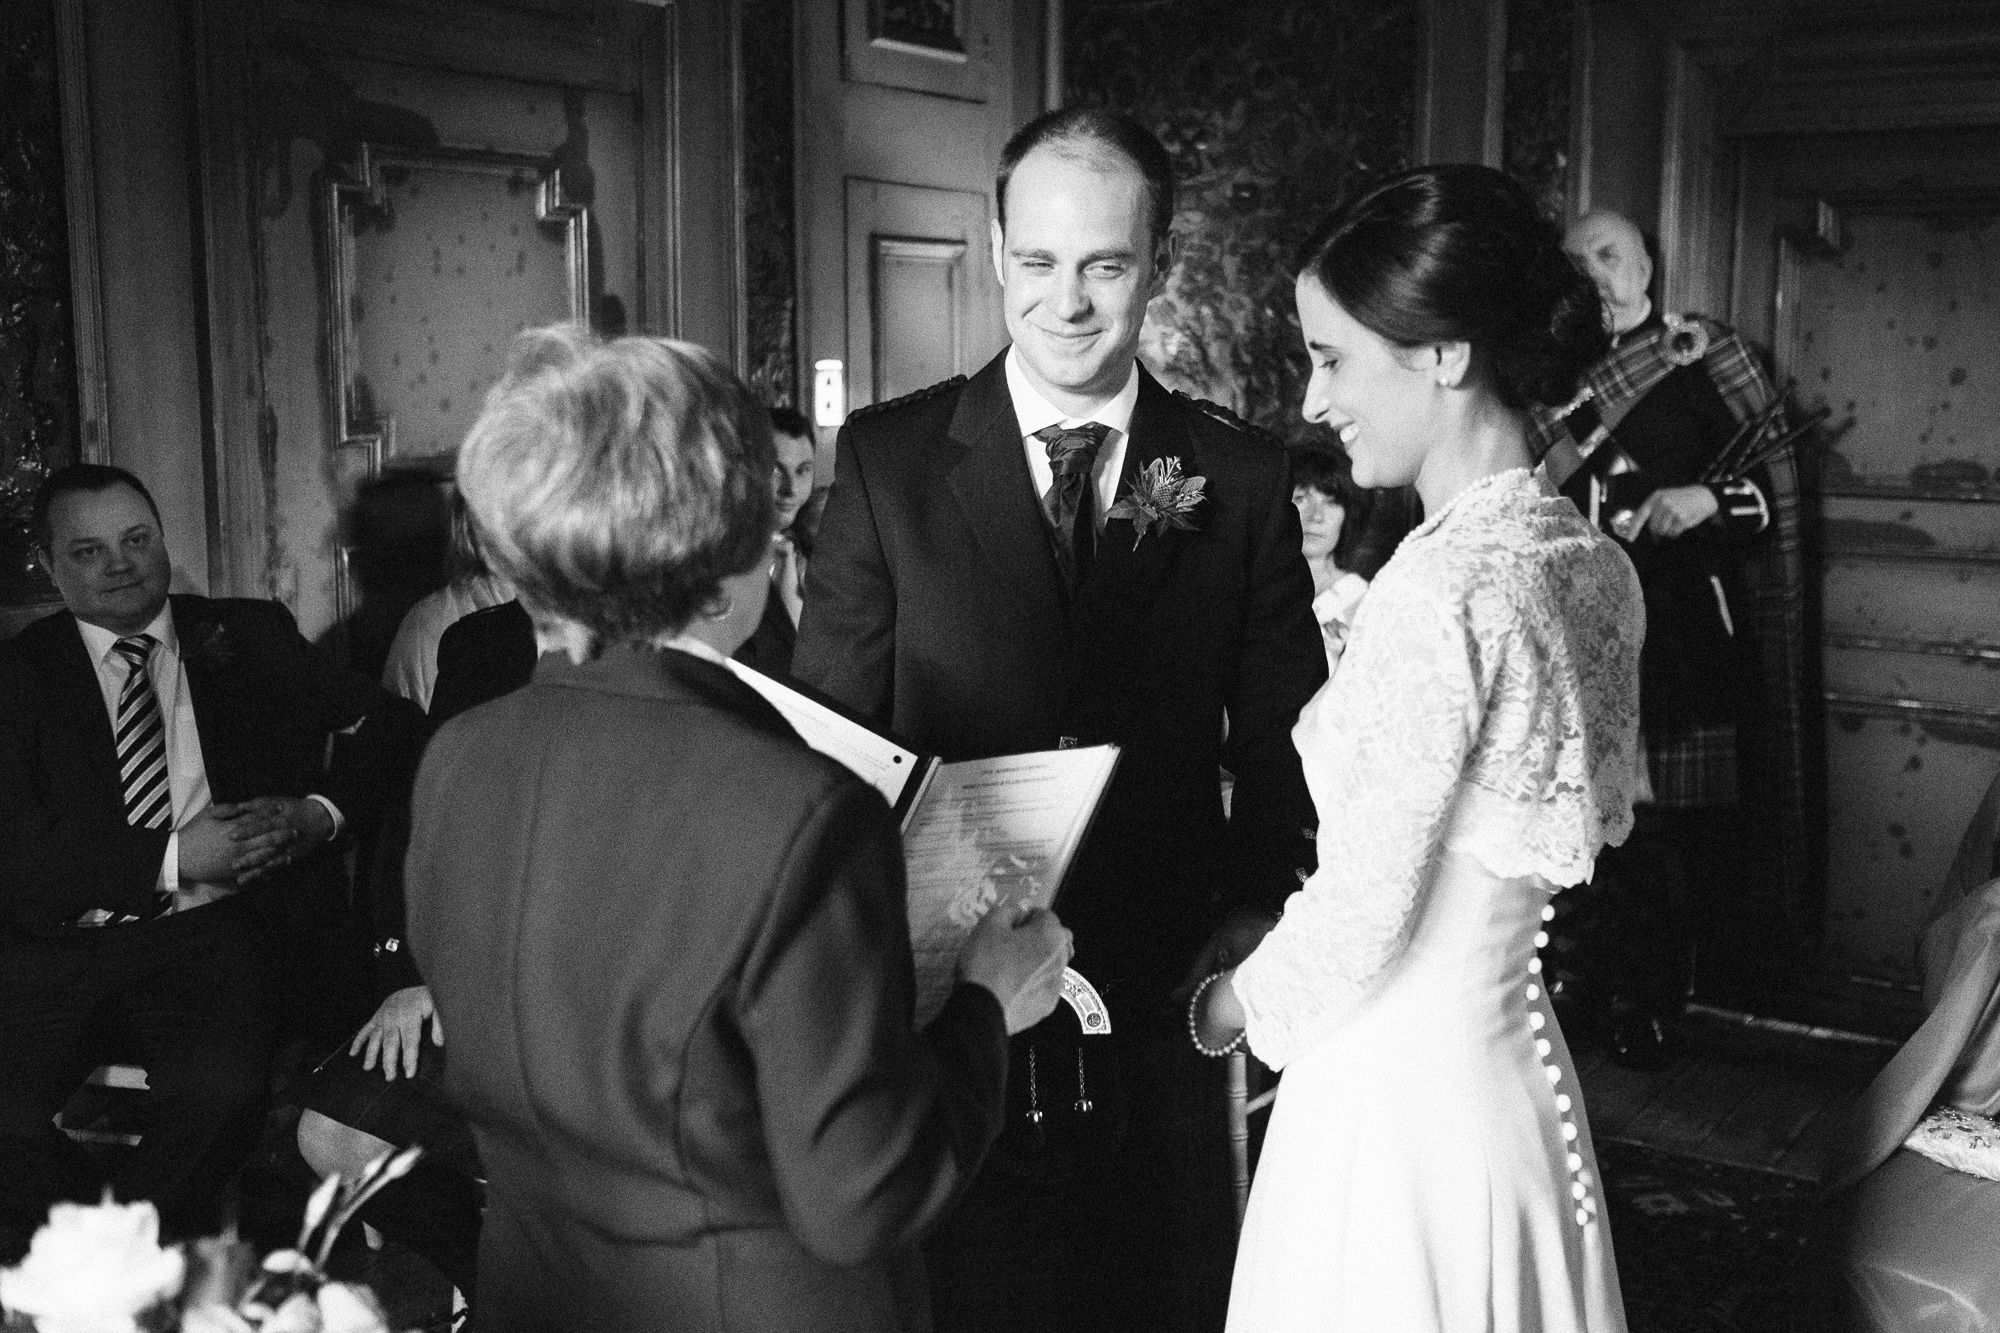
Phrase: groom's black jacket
[933,606]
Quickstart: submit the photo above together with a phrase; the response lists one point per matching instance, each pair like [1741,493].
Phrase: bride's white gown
[1428,1164]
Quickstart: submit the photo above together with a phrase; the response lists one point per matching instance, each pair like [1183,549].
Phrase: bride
[1428,1165]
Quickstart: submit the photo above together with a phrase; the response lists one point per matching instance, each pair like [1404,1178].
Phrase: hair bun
[1561,335]
[1459,254]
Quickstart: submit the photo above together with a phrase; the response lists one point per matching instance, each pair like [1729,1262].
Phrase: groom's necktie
[140,735]
[1071,501]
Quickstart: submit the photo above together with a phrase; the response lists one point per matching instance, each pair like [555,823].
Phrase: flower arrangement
[1159,494]
[101,1269]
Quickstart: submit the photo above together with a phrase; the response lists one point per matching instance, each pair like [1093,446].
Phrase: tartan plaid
[1695,769]
[1775,573]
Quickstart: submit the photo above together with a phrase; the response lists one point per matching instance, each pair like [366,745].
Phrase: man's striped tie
[141,738]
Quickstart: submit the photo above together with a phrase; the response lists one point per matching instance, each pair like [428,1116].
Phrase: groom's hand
[1240,933]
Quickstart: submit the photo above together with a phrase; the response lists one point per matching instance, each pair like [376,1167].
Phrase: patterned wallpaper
[1273,111]
[38,413]
[1535,128]
[770,219]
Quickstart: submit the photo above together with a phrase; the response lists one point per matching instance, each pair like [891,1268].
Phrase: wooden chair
[1242,1105]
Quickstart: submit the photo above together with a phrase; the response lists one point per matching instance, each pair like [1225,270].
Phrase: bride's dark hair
[1459,254]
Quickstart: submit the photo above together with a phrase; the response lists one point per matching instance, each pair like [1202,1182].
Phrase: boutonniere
[1686,340]
[1159,494]
[211,646]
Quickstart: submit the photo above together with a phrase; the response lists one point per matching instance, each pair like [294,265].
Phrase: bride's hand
[1233,941]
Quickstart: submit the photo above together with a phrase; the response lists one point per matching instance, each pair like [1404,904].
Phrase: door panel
[393,188]
[903,112]
[919,286]
[437,246]
[1891,321]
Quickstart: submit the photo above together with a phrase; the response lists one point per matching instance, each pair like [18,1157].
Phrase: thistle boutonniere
[211,646]
[1159,494]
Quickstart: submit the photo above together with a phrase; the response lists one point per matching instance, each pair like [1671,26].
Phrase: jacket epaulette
[1217,412]
[942,386]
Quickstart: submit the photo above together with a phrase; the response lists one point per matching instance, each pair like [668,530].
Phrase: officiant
[1061,552]
[666,940]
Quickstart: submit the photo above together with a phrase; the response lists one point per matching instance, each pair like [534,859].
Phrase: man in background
[1664,450]
[770,648]
[169,884]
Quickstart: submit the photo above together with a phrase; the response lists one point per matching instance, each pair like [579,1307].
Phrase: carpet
[1708,1248]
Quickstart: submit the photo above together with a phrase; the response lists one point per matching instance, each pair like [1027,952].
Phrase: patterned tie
[1071,502]
[141,738]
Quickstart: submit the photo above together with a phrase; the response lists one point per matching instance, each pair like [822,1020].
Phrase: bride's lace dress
[1428,1164]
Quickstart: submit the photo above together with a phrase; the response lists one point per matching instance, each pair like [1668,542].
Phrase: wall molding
[1462,83]
[86,275]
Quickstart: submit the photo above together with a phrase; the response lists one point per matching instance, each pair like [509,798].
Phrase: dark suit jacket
[265,703]
[933,606]
[669,944]
[492,652]
[482,656]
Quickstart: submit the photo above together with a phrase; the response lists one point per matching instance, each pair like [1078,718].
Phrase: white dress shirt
[187,775]
[1035,412]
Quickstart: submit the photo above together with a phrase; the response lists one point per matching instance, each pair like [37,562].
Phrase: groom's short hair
[1093,128]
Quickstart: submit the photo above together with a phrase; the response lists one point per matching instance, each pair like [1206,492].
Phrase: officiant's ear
[999,252]
[1454,363]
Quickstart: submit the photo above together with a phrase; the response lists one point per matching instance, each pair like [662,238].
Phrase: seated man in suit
[166,811]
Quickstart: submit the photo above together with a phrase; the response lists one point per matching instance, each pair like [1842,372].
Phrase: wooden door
[922,302]
[1897,327]
[904,109]
[392,189]
[1886,310]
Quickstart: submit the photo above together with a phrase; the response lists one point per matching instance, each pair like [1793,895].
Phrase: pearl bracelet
[1194,1026]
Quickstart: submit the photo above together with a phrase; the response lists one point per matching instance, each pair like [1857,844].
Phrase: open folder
[976,833]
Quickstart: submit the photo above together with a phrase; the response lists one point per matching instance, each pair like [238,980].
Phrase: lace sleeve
[1385,745]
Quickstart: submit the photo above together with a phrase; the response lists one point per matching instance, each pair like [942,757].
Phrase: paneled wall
[1898,333]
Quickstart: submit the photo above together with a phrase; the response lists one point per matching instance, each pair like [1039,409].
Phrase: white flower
[94,1269]
[345,1308]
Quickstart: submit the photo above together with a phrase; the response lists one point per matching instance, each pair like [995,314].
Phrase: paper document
[883,764]
[975,833]
[986,832]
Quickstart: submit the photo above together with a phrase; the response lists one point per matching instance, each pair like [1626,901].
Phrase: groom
[982,586]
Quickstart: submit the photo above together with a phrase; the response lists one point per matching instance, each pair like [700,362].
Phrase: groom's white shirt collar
[1034,412]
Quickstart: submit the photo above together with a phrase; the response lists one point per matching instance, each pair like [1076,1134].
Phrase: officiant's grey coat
[668,944]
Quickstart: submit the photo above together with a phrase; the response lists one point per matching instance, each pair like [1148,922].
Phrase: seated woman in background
[412,667]
[1333,513]
[668,941]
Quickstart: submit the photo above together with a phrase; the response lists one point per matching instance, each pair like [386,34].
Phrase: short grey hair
[615,483]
